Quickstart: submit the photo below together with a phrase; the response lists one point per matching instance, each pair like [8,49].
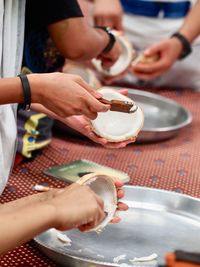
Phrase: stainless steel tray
[158,221]
[163,117]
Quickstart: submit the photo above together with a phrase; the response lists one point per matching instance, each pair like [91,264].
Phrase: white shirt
[12,15]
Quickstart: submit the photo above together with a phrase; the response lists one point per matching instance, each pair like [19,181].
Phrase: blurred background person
[149,25]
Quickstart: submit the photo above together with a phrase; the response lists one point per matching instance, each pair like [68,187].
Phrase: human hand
[65,95]
[108,14]
[109,59]
[75,206]
[120,205]
[168,50]
[82,125]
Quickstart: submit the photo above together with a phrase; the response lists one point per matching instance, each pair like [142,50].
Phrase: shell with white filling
[117,126]
[123,62]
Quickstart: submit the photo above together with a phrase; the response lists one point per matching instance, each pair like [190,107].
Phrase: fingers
[124,92]
[149,68]
[118,183]
[91,100]
[98,20]
[115,220]
[119,25]
[93,223]
[120,193]
[107,62]
[149,76]
[113,145]
[90,134]
[151,71]
[86,86]
[122,206]
[95,106]
[154,49]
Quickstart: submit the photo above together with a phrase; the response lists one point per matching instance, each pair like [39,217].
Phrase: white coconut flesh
[103,185]
[123,61]
[117,126]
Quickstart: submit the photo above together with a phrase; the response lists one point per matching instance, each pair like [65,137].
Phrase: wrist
[38,87]
[185,44]
[111,39]
[26,103]
[49,220]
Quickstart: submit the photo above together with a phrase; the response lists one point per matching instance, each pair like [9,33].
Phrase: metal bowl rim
[162,99]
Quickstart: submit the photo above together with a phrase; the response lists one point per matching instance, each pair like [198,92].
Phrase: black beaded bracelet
[26,91]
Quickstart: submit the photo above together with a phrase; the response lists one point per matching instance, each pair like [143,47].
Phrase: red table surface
[172,165]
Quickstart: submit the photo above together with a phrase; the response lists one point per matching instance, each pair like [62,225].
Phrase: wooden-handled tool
[120,106]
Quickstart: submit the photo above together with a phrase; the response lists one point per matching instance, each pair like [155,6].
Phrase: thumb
[124,92]
[118,25]
[154,49]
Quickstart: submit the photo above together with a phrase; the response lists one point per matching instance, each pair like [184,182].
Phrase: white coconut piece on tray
[104,186]
[117,126]
[119,258]
[151,257]
[62,237]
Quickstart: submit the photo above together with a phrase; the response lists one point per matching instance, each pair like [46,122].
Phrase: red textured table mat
[172,165]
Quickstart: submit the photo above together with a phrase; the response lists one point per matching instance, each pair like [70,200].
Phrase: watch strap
[26,92]
[112,39]
[187,49]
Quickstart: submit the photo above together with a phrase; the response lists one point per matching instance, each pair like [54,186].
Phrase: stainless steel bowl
[157,221]
[163,117]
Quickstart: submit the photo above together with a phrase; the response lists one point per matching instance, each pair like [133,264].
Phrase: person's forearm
[85,41]
[22,202]
[11,91]
[21,225]
[191,25]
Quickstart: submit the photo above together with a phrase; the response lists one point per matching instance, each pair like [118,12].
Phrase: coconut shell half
[123,62]
[104,186]
[117,126]
[85,73]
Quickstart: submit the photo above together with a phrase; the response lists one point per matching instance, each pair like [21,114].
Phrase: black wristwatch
[112,39]
[187,49]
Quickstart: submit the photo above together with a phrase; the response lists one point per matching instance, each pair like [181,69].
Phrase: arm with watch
[76,40]
[176,47]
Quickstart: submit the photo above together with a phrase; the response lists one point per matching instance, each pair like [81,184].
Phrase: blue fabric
[154,8]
